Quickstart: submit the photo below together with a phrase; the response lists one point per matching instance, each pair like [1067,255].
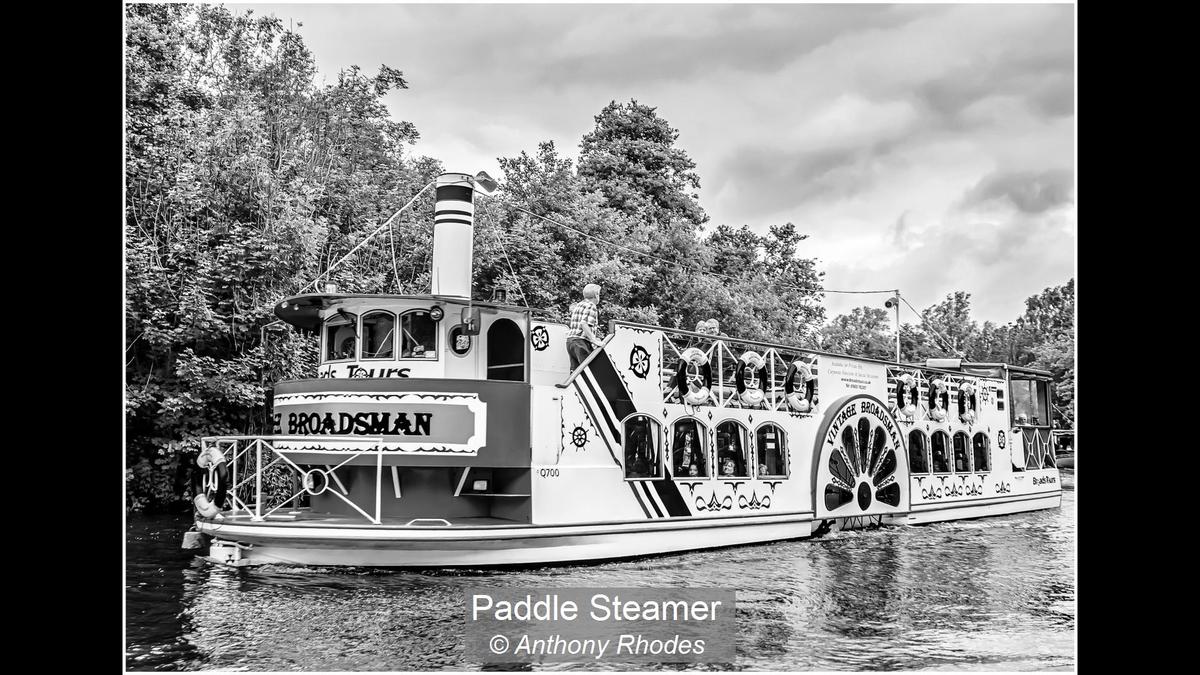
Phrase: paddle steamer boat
[443,431]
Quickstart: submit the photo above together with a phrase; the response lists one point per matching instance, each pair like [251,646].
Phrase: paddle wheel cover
[861,465]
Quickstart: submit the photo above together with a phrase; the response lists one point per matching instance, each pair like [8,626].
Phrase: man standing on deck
[584,331]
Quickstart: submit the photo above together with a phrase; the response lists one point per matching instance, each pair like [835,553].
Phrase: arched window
[918,452]
[341,338]
[962,456]
[731,451]
[642,442]
[983,455]
[379,335]
[940,452]
[418,335]
[772,451]
[689,449]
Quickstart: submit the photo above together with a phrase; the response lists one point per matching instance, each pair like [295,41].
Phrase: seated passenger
[729,451]
[638,467]
[688,458]
[344,343]
[728,467]
[636,463]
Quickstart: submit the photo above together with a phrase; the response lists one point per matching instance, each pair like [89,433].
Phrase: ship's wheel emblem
[1000,440]
[539,337]
[862,468]
[579,437]
[639,361]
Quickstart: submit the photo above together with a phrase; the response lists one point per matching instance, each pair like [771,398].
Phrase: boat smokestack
[453,235]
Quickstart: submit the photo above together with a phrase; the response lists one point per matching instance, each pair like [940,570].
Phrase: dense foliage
[246,180]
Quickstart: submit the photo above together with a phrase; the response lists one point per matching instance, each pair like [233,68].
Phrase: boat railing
[250,457]
[724,356]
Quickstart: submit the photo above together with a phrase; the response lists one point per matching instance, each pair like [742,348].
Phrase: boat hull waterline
[396,546]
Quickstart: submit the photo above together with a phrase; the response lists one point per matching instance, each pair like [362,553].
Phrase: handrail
[256,443]
[777,346]
[579,369]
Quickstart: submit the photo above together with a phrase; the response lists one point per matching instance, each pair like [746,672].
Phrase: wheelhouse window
[731,451]
[918,452]
[1033,454]
[983,456]
[341,340]
[940,452]
[418,335]
[689,449]
[772,451]
[1030,401]
[643,455]
[962,456]
[379,335]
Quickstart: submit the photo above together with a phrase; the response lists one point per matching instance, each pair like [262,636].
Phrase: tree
[755,285]
[862,332]
[244,181]
[630,156]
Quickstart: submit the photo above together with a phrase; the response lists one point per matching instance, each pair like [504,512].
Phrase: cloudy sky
[923,147]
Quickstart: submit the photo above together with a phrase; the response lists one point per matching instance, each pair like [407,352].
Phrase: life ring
[214,461]
[906,396]
[799,401]
[694,377]
[748,379]
[966,402]
[939,400]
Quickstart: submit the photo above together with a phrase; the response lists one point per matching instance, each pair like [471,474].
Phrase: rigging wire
[521,290]
[945,343]
[369,236]
[395,272]
[496,233]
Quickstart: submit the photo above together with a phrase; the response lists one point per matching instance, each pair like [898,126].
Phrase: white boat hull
[996,507]
[383,546]
[379,546]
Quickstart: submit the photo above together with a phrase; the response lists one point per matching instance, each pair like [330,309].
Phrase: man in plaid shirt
[584,326]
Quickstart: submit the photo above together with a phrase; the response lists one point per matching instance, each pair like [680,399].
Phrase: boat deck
[305,518]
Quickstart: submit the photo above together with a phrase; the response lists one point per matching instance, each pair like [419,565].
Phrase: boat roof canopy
[985,369]
[304,311]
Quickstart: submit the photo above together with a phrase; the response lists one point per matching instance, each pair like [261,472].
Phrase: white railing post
[720,373]
[771,374]
[378,480]
[233,473]
[258,479]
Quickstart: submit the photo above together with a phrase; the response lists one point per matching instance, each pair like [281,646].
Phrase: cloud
[900,231]
[1029,191]
[959,118]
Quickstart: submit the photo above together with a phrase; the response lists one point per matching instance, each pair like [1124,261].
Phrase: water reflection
[987,594]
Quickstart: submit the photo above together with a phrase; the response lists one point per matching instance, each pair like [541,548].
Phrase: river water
[988,594]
